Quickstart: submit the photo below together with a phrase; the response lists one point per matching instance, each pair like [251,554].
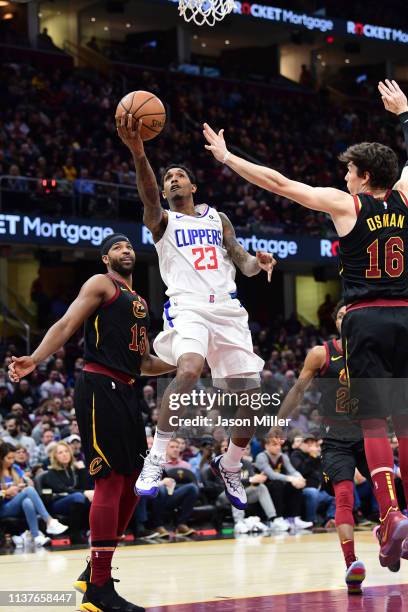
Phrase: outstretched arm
[95,291]
[153,366]
[326,199]
[315,360]
[248,264]
[395,101]
[154,216]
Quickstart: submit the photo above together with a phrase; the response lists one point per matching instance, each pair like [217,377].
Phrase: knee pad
[344,502]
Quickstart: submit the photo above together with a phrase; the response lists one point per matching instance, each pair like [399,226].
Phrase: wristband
[228,155]
[403,117]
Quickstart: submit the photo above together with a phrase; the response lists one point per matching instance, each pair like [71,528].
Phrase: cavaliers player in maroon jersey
[372,223]
[343,441]
[116,322]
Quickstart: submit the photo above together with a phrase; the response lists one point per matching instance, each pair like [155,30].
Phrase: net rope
[205,11]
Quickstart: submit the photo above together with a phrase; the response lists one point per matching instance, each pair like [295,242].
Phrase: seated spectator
[6,399]
[21,413]
[256,490]
[70,495]
[75,444]
[52,387]
[41,453]
[203,457]
[284,483]
[18,499]
[16,436]
[15,182]
[306,460]
[178,492]
[21,461]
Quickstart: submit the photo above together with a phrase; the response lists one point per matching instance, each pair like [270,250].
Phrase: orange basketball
[146,106]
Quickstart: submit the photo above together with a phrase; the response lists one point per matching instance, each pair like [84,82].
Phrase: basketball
[146,106]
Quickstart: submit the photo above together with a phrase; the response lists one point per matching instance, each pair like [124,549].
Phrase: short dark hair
[337,307]
[380,161]
[189,173]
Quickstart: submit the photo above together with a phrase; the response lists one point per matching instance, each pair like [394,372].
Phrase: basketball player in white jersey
[203,319]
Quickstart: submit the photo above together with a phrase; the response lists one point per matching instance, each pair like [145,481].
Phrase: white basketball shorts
[218,331]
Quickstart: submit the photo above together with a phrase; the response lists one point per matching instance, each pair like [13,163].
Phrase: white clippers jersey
[192,258]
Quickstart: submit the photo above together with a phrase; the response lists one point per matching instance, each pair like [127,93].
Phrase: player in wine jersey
[372,223]
[203,318]
[343,441]
[116,322]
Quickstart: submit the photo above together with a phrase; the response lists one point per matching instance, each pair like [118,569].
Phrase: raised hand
[129,133]
[20,367]
[216,143]
[394,99]
[266,262]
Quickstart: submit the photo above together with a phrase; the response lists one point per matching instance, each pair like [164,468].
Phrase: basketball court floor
[252,573]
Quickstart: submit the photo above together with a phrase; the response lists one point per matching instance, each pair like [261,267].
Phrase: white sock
[232,458]
[160,441]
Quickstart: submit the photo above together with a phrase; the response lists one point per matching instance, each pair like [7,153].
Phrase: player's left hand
[216,143]
[393,97]
[266,262]
[129,133]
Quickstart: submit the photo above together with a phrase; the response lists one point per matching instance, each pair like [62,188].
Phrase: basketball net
[205,11]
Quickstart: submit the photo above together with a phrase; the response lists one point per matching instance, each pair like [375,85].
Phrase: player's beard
[122,270]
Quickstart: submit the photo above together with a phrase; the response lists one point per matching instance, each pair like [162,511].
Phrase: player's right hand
[20,367]
[393,97]
[129,133]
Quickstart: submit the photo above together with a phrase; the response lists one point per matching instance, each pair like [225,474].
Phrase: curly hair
[378,160]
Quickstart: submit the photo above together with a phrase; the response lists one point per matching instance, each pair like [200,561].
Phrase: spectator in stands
[75,444]
[16,436]
[93,44]
[24,394]
[17,410]
[180,491]
[15,182]
[41,452]
[18,499]
[44,41]
[306,460]
[6,399]
[203,457]
[71,496]
[284,483]
[21,462]
[52,387]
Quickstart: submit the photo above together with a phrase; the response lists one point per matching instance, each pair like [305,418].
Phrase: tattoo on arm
[148,191]
[247,263]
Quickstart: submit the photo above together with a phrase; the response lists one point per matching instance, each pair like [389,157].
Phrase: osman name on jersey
[385,220]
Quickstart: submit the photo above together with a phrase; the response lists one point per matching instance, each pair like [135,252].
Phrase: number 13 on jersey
[205,258]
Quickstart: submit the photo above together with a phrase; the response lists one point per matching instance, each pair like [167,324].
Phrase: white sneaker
[299,524]
[241,527]
[18,540]
[257,525]
[41,540]
[151,475]
[54,527]
[234,489]
[280,524]
[27,538]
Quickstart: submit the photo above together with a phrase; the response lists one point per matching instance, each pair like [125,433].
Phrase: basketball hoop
[205,11]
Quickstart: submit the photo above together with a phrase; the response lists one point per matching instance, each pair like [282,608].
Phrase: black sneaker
[106,599]
[81,582]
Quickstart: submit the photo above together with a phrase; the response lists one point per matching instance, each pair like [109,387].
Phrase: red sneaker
[391,535]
